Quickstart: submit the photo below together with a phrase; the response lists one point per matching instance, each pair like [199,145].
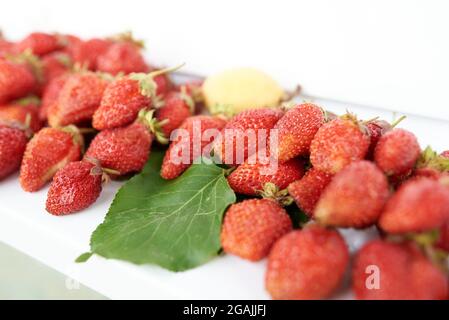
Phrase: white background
[389,54]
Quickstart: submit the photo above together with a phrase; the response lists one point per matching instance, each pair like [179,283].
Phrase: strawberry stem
[155,126]
[166,70]
[397,121]
[271,191]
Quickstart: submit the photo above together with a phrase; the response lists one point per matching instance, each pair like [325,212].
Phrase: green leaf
[175,224]
[83,257]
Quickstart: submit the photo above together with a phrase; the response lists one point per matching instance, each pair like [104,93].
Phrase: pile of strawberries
[57,91]
[343,173]
[77,112]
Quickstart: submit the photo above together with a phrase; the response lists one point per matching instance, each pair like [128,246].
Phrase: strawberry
[297,128]
[338,143]
[122,56]
[396,152]
[193,89]
[39,43]
[6,47]
[350,204]
[306,264]
[24,112]
[49,150]
[443,241]
[16,80]
[176,108]
[86,53]
[125,97]
[445,154]
[401,270]
[77,100]
[12,146]
[189,143]
[307,191]
[376,129]
[251,227]
[75,187]
[163,83]
[240,137]
[121,102]
[125,149]
[431,165]
[418,205]
[249,177]
[69,42]
[54,65]
[51,93]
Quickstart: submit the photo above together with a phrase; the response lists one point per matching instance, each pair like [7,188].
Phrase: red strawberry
[39,43]
[337,144]
[75,187]
[193,89]
[54,65]
[431,165]
[16,80]
[251,228]
[77,100]
[6,47]
[445,154]
[24,112]
[376,129]
[48,151]
[418,205]
[396,152]
[240,137]
[189,143]
[402,273]
[51,93]
[125,149]
[297,128]
[12,146]
[176,108]
[121,102]
[307,191]
[443,241]
[86,53]
[306,264]
[354,198]
[122,56]
[125,97]
[163,83]
[69,42]
[249,178]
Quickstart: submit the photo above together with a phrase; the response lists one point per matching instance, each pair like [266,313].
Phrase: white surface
[57,241]
[391,54]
